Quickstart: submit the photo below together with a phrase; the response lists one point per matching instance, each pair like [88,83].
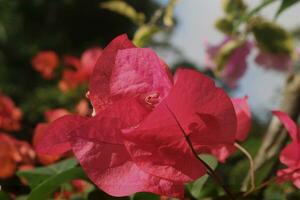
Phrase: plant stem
[276,137]
[251,163]
[261,186]
[209,170]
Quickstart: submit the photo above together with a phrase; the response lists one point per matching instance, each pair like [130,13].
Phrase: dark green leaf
[255,10]
[124,9]
[274,192]
[195,188]
[40,174]
[144,196]
[285,4]
[4,196]
[271,37]
[224,25]
[43,190]
[234,8]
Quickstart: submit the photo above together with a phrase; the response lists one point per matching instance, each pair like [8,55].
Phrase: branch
[276,136]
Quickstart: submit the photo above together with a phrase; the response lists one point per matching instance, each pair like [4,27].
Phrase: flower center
[152,99]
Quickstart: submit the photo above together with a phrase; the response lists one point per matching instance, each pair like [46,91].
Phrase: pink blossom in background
[77,71]
[10,115]
[236,65]
[45,62]
[89,58]
[244,117]
[290,155]
[280,62]
[136,140]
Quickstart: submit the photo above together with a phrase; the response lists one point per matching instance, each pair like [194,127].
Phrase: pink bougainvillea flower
[79,70]
[280,62]
[10,115]
[50,116]
[89,58]
[45,62]
[243,114]
[236,64]
[13,155]
[290,155]
[137,139]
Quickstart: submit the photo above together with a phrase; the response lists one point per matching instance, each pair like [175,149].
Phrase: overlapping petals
[290,155]
[244,117]
[137,139]
[10,115]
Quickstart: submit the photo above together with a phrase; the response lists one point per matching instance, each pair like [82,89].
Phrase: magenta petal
[110,167]
[206,114]
[243,114]
[124,113]
[280,62]
[290,155]
[55,140]
[158,146]
[139,72]
[221,152]
[99,149]
[289,124]
[100,79]
[204,110]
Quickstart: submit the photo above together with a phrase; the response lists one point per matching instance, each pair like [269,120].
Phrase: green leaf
[285,4]
[43,190]
[4,196]
[144,196]
[195,188]
[40,174]
[274,192]
[255,10]
[262,173]
[271,37]
[124,9]
[144,34]
[234,8]
[224,25]
[169,12]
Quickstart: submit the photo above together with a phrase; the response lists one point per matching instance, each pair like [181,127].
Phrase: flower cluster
[234,63]
[137,138]
[76,71]
[290,155]
[10,115]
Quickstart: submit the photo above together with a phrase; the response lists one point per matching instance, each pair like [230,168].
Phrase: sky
[196,24]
